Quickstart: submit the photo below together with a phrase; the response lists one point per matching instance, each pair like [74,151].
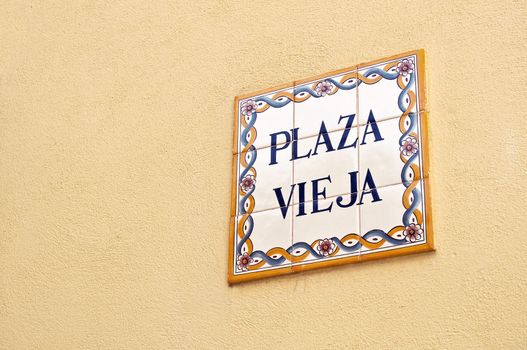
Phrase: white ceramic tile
[382,95]
[325,223]
[388,215]
[327,168]
[274,114]
[259,174]
[390,155]
[329,110]
[332,170]
[262,237]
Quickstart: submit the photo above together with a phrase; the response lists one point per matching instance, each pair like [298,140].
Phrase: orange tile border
[422,114]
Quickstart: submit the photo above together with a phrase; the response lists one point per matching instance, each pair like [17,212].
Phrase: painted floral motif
[413,233]
[409,146]
[323,88]
[249,107]
[326,247]
[244,261]
[405,67]
[247,183]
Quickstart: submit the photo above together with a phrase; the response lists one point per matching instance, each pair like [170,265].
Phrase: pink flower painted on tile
[409,146]
[244,261]
[323,88]
[413,233]
[405,67]
[247,183]
[326,247]
[249,107]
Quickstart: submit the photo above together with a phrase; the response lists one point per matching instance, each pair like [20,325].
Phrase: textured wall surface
[115,176]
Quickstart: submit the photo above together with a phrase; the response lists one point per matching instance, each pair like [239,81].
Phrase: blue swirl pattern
[283,101]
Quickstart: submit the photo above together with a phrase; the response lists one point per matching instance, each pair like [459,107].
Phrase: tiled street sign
[331,170]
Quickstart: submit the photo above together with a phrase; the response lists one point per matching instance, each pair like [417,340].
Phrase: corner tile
[396,220]
[390,88]
[260,243]
[259,116]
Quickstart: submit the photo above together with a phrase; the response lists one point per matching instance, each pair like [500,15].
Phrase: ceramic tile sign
[331,170]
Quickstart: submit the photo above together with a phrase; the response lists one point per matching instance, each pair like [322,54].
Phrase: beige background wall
[115,170]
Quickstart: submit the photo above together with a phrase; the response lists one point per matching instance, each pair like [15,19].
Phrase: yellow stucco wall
[115,176]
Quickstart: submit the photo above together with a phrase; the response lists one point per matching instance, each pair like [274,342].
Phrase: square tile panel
[326,103]
[263,119]
[326,164]
[264,179]
[391,151]
[331,170]
[390,88]
[260,243]
[326,231]
[396,218]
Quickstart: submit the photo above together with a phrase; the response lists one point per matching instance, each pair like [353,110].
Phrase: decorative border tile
[412,234]
[400,147]
[262,111]
[334,95]
[254,194]
[240,235]
[331,235]
[256,250]
[412,85]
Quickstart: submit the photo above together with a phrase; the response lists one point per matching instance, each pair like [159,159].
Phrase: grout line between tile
[358,125]
[358,156]
[335,195]
[293,181]
[380,120]
[333,131]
